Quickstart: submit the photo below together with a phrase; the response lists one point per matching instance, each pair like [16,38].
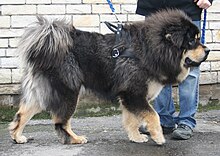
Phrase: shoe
[182,132]
[166,130]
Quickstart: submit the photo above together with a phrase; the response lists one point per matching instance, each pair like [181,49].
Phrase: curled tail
[46,43]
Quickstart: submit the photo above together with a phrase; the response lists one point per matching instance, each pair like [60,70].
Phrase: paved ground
[107,137]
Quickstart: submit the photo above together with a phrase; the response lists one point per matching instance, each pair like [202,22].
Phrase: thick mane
[161,55]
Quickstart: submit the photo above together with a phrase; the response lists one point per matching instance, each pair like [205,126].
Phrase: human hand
[204,4]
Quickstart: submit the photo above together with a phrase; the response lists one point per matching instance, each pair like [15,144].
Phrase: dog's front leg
[131,124]
[152,120]
[136,111]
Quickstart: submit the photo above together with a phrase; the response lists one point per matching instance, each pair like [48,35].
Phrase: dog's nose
[207,50]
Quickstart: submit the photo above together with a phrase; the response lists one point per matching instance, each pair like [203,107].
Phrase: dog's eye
[191,43]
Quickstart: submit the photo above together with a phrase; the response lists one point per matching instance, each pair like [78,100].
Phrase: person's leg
[189,98]
[188,101]
[164,106]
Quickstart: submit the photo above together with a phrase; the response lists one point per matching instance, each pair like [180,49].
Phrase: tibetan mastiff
[59,59]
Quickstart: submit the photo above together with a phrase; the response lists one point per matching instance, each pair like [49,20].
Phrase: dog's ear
[176,38]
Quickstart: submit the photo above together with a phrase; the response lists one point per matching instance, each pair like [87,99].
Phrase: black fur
[58,59]
[63,135]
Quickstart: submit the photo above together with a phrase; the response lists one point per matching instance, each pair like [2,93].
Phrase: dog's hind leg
[24,114]
[65,133]
[62,120]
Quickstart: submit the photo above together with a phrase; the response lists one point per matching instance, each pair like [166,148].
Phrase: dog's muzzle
[191,63]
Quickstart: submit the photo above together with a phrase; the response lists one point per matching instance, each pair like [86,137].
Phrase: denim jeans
[188,100]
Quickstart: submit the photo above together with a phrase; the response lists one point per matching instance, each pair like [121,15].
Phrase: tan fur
[131,124]
[154,89]
[184,71]
[196,54]
[75,138]
[17,126]
[152,121]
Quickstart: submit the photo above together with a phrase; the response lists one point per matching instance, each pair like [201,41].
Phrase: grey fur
[50,40]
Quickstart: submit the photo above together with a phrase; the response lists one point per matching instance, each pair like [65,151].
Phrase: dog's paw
[160,140]
[140,138]
[20,140]
[79,140]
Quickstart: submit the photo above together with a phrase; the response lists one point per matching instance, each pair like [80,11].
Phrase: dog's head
[194,51]
[186,36]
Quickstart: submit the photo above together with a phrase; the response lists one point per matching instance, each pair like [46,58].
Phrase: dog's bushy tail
[46,43]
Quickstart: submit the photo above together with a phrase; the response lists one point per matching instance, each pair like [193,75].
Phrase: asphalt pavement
[106,137]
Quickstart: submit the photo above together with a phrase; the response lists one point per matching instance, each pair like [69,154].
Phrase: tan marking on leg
[55,119]
[75,139]
[131,124]
[152,121]
[23,115]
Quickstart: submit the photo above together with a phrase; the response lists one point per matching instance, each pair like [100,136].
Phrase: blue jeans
[188,100]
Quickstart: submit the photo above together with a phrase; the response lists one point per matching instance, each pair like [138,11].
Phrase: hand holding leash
[204,4]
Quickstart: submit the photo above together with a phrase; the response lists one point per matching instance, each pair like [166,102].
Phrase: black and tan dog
[59,59]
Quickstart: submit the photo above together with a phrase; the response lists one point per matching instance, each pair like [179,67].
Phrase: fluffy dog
[58,60]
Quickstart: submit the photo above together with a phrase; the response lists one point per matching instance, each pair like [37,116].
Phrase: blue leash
[113,9]
[203,27]
[111,6]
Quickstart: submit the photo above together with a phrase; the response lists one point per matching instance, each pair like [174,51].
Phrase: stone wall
[87,15]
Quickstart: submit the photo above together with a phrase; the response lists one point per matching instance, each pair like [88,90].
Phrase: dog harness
[119,49]
[117,30]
